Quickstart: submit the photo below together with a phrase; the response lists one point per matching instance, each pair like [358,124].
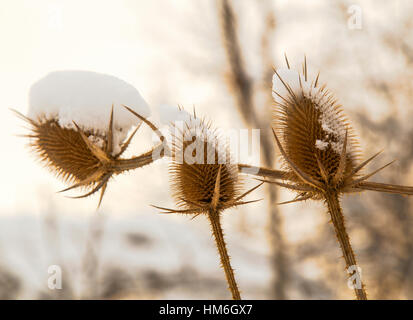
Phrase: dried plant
[205,183]
[75,155]
[320,155]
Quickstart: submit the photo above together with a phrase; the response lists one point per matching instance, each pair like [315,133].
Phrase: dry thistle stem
[320,153]
[203,182]
[83,157]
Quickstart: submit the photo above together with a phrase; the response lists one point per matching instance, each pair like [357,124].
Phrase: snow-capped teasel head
[86,98]
[79,127]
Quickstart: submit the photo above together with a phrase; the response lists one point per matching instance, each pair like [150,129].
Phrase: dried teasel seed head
[201,157]
[65,152]
[77,134]
[320,147]
[83,157]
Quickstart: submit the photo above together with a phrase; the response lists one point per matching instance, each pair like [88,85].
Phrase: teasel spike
[196,215]
[109,143]
[248,192]
[316,80]
[186,211]
[280,96]
[384,187]
[102,183]
[150,124]
[305,67]
[191,202]
[89,180]
[125,145]
[288,186]
[362,165]
[297,199]
[299,80]
[262,172]
[102,193]
[290,91]
[286,60]
[241,203]
[23,117]
[357,181]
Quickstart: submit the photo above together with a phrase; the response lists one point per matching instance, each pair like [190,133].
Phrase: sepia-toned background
[218,56]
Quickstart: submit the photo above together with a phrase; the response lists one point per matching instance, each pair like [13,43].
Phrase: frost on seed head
[311,125]
[200,153]
[322,145]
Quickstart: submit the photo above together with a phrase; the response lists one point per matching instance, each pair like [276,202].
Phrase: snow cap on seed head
[79,127]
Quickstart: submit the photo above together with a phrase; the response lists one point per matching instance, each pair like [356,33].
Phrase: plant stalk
[261,172]
[336,213]
[214,218]
[121,165]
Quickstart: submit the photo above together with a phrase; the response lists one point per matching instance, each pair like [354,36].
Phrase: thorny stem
[337,218]
[261,172]
[214,218]
[120,165]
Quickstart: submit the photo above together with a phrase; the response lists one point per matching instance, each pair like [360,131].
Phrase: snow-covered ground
[166,257]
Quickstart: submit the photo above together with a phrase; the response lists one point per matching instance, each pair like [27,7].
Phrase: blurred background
[218,56]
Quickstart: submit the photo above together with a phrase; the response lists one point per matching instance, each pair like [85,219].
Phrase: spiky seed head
[316,136]
[83,157]
[64,151]
[199,159]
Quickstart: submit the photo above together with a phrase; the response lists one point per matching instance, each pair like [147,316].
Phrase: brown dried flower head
[202,177]
[319,150]
[84,158]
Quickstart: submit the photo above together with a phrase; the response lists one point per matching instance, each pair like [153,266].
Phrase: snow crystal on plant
[184,126]
[86,98]
[333,126]
[179,119]
[98,141]
[320,144]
